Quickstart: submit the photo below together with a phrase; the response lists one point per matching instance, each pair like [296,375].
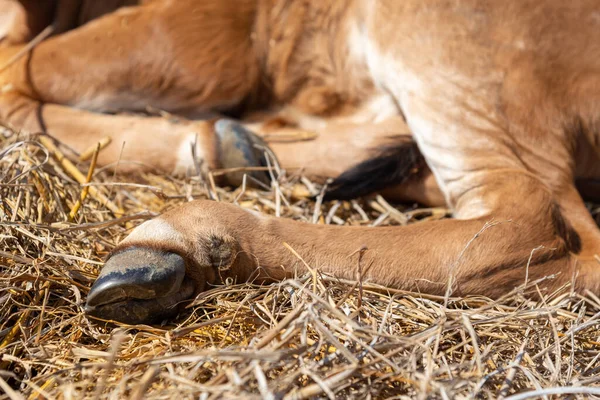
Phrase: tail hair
[390,165]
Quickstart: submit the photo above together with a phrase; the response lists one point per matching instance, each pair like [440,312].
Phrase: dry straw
[310,337]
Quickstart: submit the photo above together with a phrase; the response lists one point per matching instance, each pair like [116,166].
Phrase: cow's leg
[207,242]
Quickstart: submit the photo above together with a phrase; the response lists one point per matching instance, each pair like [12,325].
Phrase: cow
[486,107]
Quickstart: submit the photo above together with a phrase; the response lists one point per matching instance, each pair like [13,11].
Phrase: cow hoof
[140,285]
[239,148]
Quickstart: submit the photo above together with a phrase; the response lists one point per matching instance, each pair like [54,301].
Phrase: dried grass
[313,336]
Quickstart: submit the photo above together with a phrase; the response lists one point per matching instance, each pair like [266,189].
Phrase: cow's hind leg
[209,242]
[513,226]
[513,230]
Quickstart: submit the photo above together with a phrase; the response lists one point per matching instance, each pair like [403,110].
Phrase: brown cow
[499,96]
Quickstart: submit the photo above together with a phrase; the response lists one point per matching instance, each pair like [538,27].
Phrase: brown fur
[501,98]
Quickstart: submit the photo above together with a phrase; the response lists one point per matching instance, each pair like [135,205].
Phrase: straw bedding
[310,337]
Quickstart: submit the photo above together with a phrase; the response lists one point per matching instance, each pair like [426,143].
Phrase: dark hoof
[239,148]
[139,286]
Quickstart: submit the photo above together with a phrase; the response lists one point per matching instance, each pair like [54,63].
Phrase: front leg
[186,250]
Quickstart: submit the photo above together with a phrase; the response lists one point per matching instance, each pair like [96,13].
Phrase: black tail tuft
[391,165]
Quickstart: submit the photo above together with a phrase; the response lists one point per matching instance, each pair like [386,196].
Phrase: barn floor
[311,337]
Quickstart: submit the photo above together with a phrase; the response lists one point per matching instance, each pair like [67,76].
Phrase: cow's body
[501,98]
